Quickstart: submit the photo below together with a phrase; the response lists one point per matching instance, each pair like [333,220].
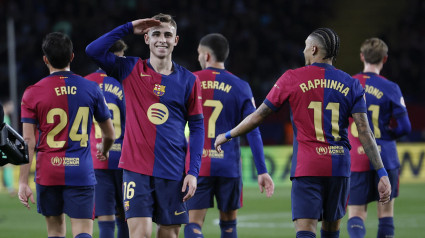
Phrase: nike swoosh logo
[178,213]
[145,75]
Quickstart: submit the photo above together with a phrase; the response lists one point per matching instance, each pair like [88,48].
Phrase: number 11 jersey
[321,99]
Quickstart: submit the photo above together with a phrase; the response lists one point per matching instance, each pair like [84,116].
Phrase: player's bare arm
[141,26]
[248,124]
[25,191]
[367,139]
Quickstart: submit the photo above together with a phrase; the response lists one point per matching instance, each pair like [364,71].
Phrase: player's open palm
[384,189]
[142,26]
[24,193]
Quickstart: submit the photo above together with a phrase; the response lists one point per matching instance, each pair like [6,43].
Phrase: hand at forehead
[142,26]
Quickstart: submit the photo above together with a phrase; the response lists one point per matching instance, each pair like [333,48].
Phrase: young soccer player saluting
[161,96]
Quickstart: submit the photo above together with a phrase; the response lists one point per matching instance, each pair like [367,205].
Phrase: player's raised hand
[221,139]
[190,182]
[142,26]
[384,189]
[265,182]
[101,155]
[24,193]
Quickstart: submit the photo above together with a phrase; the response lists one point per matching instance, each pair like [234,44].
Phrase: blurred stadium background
[266,38]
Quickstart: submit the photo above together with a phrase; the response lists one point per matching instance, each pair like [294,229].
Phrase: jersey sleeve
[279,93]
[253,137]
[114,66]
[358,97]
[397,100]
[101,112]
[28,111]
[194,103]
[248,103]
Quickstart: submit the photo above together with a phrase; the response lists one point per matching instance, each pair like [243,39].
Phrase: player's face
[161,40]
[202,56]
[308,51]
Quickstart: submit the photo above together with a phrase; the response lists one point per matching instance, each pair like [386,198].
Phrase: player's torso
[222,98]
[320,104]
[65,104]
[156,112]
[379,93]
[114,96]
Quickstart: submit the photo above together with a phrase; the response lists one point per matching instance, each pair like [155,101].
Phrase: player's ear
[176,40]
[314,50]
[384,60]
[362,57]
[208,56]
[46,61]
[72,57]
[146,36]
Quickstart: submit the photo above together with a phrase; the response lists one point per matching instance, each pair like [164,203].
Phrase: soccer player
[321,99]
[384,102]
[226,101]
[108,190]
[61,107]
[161,96]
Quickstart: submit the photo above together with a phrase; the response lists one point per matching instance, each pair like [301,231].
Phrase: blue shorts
[321,198]
[75,201]
[227,191]
[161,199]
[108,191]
[364,186]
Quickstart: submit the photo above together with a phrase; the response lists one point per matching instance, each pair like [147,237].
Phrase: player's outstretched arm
[265,182]
[142,26]
[248,124]
[25,193]
[189,183]
[367,139]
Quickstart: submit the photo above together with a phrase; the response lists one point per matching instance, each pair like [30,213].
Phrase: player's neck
[372,68]
[54,70]
[163,66]
[322,61]
[217,65]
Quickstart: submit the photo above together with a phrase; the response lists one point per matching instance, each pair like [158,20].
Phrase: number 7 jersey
[62,105]
[321,99]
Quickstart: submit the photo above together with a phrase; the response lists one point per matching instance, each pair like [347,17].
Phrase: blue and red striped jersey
[321,99]
[384,101]
[62,105]
[114,96]
[226,101]
[157,109]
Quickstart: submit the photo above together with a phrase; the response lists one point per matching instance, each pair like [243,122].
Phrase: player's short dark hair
[218,45]
[374,50]
[57,47]
[118,46]
[165,18]
[330,41]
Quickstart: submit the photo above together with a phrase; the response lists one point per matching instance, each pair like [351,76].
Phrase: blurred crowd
[266,38]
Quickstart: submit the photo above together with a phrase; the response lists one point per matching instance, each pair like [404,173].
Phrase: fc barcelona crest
[159,90]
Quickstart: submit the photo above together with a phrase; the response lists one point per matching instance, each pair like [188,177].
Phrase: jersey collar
[324,65]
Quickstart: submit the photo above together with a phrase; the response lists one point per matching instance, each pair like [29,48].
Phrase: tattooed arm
[367,139]
[247,125]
